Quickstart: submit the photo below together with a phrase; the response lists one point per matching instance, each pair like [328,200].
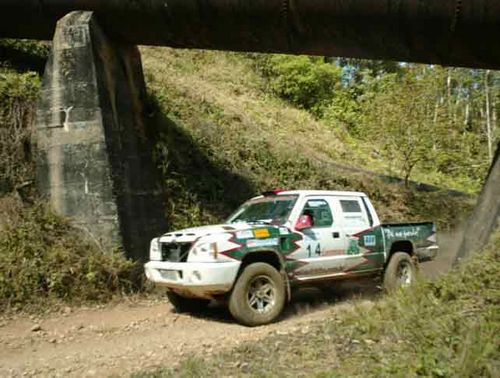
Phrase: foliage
[18,93]
[307,82]
[43,259]
[24,55]
[414,122]
[430,123]
[446,328]
[221,142]
[403,123]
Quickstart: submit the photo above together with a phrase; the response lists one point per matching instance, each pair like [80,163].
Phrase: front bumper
[199,280]
[427,253]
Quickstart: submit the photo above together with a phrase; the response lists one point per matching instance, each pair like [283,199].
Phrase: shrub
[306,82]
[42,257]
[18,93]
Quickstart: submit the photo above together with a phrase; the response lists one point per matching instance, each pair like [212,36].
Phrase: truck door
[354,218]
[322,244]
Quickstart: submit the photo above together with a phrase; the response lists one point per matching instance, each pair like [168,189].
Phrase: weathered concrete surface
[94,158]
[485,218]
[450,32]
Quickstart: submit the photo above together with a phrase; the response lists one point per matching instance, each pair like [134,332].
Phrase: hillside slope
[225,136]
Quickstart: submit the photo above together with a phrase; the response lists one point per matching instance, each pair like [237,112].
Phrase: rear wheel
[258,297]
[183,304]
[400,272]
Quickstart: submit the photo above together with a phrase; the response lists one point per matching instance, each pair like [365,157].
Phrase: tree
[400,120]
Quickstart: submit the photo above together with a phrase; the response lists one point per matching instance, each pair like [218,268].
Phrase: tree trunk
[489,133]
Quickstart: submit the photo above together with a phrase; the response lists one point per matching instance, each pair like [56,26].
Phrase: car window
[350,206]
[272,209]
[352,213]
[320,212]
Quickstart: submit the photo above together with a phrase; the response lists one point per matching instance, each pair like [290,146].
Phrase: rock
[52,341]
[36,328]
[369,342]
[243,365]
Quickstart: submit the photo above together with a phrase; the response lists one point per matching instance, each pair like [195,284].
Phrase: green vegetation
[447,328]
[44,260]
[438,125]
[224,136]
[18,93]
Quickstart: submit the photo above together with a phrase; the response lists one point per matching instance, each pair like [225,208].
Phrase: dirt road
[127,337]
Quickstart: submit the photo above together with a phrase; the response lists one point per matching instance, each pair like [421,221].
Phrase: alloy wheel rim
[261,294]
[404,273]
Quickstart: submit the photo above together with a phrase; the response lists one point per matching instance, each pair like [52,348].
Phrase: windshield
[272,209]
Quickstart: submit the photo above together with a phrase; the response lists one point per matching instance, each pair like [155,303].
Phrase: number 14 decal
[317,251]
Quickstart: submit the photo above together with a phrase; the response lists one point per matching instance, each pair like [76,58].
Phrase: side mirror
[304,222]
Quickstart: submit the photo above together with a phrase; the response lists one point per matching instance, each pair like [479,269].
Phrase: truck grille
[175,252]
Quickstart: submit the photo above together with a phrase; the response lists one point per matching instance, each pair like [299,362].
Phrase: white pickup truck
[282,239]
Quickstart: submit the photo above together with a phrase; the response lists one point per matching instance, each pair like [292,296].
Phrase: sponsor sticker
[253,243]
[284,231]
[261,233]
[369,240]
[247,234]
[353,247]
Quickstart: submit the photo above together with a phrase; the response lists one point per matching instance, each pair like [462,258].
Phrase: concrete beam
[93,153]
[448,32]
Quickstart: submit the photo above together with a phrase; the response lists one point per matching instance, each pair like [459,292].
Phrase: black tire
[183,304]
[400,272]
[259,295]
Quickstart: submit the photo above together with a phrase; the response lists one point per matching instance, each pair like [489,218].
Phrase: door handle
[336,235]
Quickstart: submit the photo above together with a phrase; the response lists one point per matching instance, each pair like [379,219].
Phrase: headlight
[154,250]
[209,249]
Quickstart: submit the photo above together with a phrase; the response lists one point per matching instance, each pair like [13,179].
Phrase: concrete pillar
[93,154]
[485,217]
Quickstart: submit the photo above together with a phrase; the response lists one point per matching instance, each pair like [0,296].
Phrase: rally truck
[281,240]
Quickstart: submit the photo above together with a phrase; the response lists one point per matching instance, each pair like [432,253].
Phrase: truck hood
[191,234]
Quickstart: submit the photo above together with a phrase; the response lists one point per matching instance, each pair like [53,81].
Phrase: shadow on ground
[310,299]
[305,300]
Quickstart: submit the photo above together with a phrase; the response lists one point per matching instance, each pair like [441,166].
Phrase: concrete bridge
[90,132]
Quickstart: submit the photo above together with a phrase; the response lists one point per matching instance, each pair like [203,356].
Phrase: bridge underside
[448,32]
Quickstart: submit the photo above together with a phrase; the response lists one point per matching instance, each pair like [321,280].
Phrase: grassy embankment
[226,137]
[222,138]
[447,328]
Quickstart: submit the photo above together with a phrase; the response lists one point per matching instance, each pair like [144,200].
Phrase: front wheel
[183,304]
[258,297]
[400,272]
